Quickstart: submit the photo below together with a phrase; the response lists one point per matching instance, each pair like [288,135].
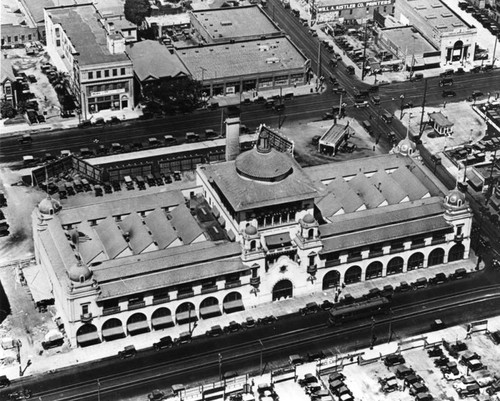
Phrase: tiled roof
[366,190]
[113,207]
[347,196]
[161,229]
[174,257]
[111,237]
[329,205]
[253,57]
[335,133]
[88,36]
[139,238]
[244,194]
[380,217]
[184,223]
[90,246]
[385,233]
[7,71]
[409,183]
[152,60]
[388,187]
[168,278]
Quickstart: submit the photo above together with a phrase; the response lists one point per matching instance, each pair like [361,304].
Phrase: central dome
[264,163]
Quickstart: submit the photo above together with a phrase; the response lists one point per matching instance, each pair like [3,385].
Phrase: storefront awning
[38,283]
[138,327]
[113,332]
[183,317]
[210,311]
[88,338]
[161,322]
[233,306]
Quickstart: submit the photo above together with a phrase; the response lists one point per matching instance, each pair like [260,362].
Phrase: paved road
[412,313]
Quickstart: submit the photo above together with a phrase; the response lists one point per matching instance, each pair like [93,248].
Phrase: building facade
[445,30]
[255,230]
[352,10]
[93,52]
[8,80]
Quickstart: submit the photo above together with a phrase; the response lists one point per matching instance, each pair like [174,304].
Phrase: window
[85,309]
[29,36]
[106,73]
[22,38]
[58,43]
[98,74]
[115,72]
[9,39]
[58,33]
[122,71]
[91,75]
[350,11]
[459,230]
[15,38]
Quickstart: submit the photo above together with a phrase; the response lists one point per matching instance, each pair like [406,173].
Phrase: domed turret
[308,219]
[250,230]
[79,273]
[406,147]
[49,206]
[455,198]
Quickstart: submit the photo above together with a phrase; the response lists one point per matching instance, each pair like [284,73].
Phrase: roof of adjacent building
[375,235]
[152,60]
[380,217]
[276,55]
[243,193]
[184,224]
[138,234]
[87,34]
[437,14]
[375,182]
[168,19]
[111,237]
[234,22]
[440,119]
[334,134]
[168,278]
[98,210]
[409,39]
[7,71]
[161,229]
[167,259]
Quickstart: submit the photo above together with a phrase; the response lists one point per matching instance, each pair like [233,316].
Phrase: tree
[137,10]
[7,110]
[181,95]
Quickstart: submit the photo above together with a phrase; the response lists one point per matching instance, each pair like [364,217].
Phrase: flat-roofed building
[230,24]
[349,10]
[244,66]
[251,231]
[441,26]
[408,44]
[93,52]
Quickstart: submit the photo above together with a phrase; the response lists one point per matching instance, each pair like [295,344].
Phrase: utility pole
[494,52]
[364,51]
[421,128]
[319,60]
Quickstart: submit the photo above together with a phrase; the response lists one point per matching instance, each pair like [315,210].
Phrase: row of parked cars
[4,226]
[481,16]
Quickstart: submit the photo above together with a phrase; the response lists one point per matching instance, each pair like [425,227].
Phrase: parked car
[394,359]
[232,327]
[249,323]
[165,342]
[310,308]
[128,352]
[214,331]
[267,320]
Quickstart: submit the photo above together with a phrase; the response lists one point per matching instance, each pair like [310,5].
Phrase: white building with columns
[255,230]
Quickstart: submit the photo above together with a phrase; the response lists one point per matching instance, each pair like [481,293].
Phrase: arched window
[374,270]
[456,252]
[331,279]
[353,275]
[436,257]
[416,261]
[395,266]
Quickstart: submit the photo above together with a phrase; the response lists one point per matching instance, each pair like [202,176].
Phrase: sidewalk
[63,357]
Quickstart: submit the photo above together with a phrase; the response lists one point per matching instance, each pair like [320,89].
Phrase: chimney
[232,138]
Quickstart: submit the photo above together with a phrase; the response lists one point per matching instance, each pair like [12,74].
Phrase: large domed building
[252,231]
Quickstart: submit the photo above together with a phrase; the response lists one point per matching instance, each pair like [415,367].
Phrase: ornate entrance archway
[282,289]
[331,280]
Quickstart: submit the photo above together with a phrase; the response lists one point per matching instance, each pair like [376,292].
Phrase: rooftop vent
[263,48]
[421,7]
[436,6]
[432,16]
[272,60]
[446,15]
[226,23]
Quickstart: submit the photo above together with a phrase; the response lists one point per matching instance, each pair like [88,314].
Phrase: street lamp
[402,97]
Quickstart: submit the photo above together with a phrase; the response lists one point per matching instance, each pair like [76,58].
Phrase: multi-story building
[253,230]
[93,51]
[441,26]
[245,66]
